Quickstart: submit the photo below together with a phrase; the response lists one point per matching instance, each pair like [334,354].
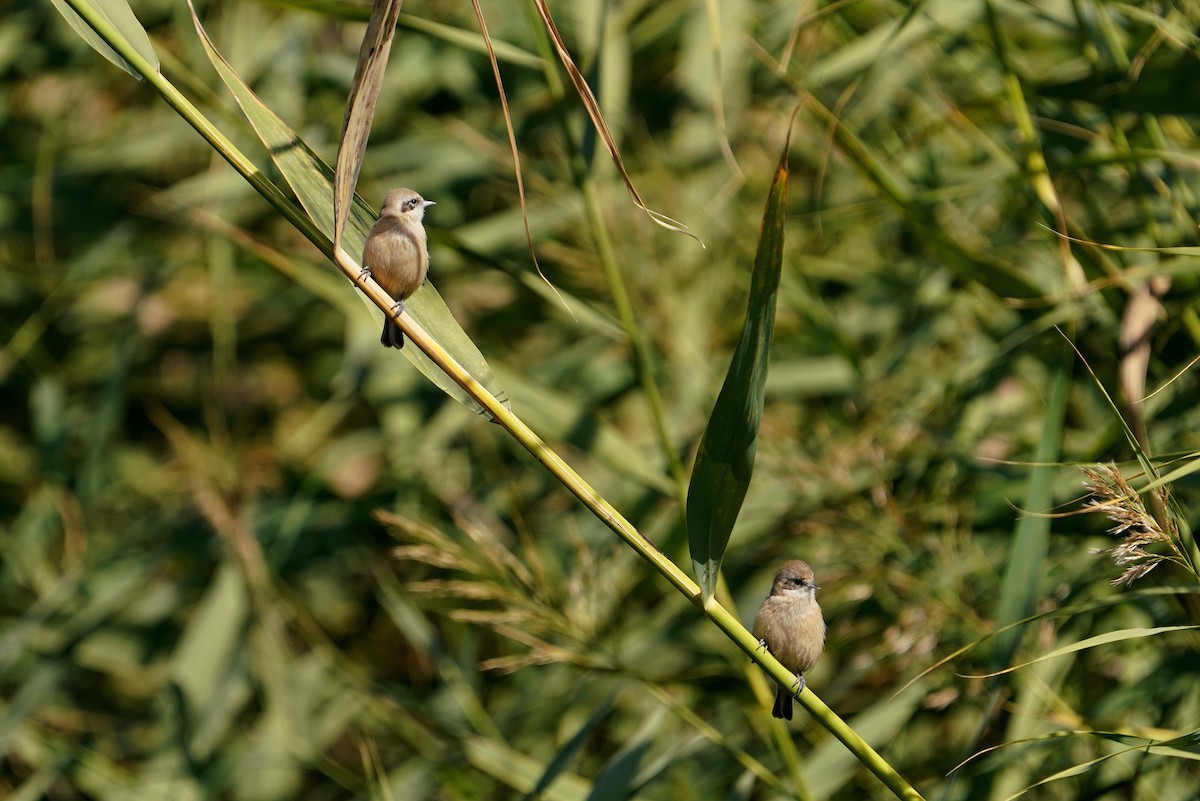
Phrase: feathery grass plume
[495,589]
[1112,494]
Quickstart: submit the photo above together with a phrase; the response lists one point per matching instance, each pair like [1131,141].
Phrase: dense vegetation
[249,554]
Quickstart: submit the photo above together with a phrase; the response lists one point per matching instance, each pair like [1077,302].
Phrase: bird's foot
[398,308]
[799,685]
[762,645]
[364,274]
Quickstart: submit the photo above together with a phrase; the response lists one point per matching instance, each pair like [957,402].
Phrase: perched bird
[790,626]
[396,254]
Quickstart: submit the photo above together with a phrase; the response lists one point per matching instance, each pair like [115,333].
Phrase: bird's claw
[398,308]
[798,686]
[364,274]
[762,645]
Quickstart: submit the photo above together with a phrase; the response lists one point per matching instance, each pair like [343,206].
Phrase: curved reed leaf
[1090,642]
[1031,538]
[726,457]
[120,16]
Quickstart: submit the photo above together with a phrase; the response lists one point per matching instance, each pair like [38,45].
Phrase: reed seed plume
[1112,494]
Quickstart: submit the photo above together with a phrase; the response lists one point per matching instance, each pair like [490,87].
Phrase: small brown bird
[396,254]
[790,626]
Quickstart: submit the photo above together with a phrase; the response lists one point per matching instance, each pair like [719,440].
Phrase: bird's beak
[429,203]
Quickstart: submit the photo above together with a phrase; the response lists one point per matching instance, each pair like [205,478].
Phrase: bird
[396,254]
[790,626]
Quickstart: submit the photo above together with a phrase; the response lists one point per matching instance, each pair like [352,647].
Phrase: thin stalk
[641,348]
[643,358]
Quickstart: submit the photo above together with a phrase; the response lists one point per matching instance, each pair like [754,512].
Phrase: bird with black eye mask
[789,624]
[397,255]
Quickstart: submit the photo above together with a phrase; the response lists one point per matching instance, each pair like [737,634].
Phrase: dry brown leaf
[512,143]
[360,107]
[1140,314]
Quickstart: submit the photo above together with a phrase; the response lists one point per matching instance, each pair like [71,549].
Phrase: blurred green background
[199,599]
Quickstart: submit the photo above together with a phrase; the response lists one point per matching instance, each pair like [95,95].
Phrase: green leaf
[615,783]
[210,640]
[312,181]
[1031,538]
[725,460]
[570,750]
[496,759]
[120,20]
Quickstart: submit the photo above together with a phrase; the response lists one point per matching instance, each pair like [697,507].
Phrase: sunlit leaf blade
[725,460]
[312,181]
[448,33]
[121,19]
[1091,642]
[496,759]
[1031,538]
[360,106]
[200,665]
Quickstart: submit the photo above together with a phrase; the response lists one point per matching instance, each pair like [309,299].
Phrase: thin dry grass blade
[714,35]
[512,144]
[593,110]
[360,107]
